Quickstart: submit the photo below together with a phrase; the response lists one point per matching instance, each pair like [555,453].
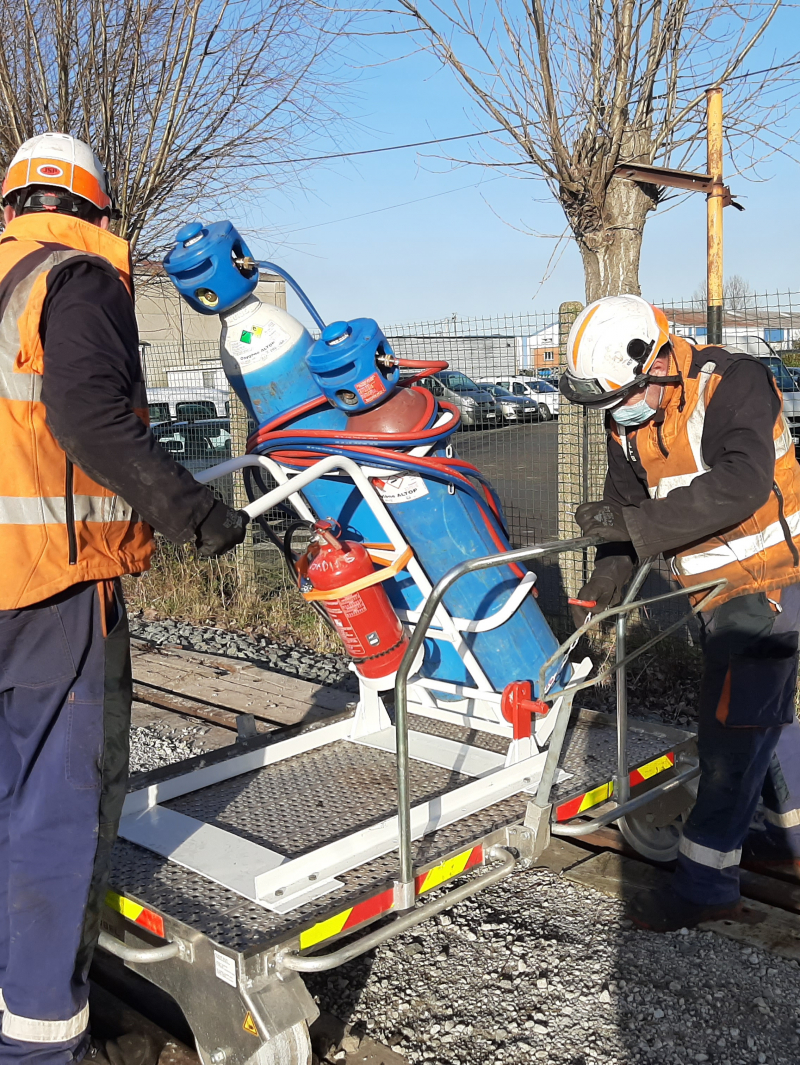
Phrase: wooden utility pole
[718,196]
[714,205]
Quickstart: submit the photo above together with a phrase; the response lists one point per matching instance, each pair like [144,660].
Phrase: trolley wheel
[658,843]
[656,831]
[292,1047]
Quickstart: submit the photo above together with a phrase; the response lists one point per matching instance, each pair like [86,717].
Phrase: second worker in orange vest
[702,469]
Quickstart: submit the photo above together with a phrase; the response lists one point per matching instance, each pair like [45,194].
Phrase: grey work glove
[221,530]
[604,519]
[604,588]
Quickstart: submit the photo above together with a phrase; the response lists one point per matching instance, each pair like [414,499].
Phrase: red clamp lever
[518,706]
[590,604]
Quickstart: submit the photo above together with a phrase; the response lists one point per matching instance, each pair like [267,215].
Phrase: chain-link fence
[543,455]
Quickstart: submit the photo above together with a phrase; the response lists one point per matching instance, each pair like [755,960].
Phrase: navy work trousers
[748,743]
[65,699]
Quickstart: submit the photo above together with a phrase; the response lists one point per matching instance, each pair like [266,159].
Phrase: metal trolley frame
[247,1002]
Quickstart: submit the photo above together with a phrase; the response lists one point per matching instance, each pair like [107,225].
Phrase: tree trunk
[609,235]
[611,251]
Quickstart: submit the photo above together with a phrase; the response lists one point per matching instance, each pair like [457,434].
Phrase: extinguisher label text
[352,605]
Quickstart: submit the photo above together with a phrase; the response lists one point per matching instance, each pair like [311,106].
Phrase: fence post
[581,462]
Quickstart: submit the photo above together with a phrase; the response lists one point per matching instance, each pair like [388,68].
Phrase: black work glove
[221,530]
[604,587]
[604,519]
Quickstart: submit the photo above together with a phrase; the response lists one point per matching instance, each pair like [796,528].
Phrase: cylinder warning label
[400,489]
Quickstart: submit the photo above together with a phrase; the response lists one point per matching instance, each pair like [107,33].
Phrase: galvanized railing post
[404,887]
[622,779]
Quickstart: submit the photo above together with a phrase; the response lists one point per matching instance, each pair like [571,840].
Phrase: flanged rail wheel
[659,843]
[292,1047]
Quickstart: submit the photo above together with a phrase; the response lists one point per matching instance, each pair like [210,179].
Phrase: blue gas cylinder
[354,365]
[202,267]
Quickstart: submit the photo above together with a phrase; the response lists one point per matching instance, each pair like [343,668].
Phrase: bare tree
[736,292]
[579,87]
[187,102]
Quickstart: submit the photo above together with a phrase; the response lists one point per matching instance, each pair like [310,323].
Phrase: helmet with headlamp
[611,348]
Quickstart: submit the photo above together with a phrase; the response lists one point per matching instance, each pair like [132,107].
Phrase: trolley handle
[144,955]
[290,959]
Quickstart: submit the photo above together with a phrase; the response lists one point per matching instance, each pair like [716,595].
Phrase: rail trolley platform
[335,793]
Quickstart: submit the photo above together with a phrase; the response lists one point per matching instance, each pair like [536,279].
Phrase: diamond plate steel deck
[313,799]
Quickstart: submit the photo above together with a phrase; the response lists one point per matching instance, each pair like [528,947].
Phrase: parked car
[791,393]
[189,404]
[477,406]
[514,409]
[198,445]
[544,392]
[159,412]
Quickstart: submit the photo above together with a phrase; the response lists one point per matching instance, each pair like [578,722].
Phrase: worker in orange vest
[702,470]
[83,483]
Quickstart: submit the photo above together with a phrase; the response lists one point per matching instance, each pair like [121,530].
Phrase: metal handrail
[290,959]
[404,886]
[629,806]
[473,565]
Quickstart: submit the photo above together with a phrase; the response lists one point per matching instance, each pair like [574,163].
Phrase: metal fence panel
[541,467]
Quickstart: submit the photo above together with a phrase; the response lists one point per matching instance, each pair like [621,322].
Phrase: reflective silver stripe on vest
[738,550]
[677,480]
[789,819]
[31,1030]
[52,510]
[784,441]
[697,419]
[23,386]
[2,1001]
[694,429]
[709,857]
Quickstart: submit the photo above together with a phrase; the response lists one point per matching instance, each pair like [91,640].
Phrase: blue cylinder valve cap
[189,233]
[336,332]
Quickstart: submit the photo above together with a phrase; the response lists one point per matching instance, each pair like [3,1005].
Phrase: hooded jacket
[711,481]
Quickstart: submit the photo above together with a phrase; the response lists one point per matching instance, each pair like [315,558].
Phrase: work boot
[663,910]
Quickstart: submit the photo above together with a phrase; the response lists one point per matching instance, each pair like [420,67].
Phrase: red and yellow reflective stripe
[658,765]
[132,911]
[584,802]
[384,902]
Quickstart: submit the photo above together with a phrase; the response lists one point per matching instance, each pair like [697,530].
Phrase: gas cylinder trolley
[239,870]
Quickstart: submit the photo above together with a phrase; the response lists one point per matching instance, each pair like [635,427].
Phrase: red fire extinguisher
[341,576]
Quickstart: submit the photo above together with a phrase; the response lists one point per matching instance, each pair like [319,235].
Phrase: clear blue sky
[456,249]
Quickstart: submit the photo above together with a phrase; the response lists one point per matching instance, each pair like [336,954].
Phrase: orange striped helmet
[611,347]
[60,160]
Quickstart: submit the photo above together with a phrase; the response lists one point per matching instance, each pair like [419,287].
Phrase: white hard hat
[61,160]
[611,346]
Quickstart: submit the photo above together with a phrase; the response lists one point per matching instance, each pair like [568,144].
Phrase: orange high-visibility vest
[58,527]
[756,555]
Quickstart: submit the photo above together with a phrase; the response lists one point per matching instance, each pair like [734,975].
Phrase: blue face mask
[636,414]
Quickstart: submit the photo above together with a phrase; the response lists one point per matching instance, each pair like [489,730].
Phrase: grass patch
[230,593]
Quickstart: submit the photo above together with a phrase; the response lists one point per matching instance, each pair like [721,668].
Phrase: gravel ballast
[282,657]
[538,969]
